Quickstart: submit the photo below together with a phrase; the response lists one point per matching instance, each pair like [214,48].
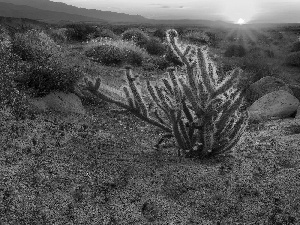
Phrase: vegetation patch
[115,52]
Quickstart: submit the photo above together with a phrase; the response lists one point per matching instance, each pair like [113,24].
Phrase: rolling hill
[63,12]
[22,11]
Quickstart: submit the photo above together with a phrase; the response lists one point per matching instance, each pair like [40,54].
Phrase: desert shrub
[235,50]
[257,66]
[79,32]
[106,54]
[160,33]
[115,52]
[173,59]
[53,74]
[135,35]
[293,59]
[46,69]
[269,53]
[213,38]
[155,47]
[259,52]
[105,33]
[156,63]
[58,35]
[196,37]
[10,95]
[34,45]
[295,47]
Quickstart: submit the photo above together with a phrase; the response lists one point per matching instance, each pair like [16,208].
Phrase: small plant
[10,95]
[295,47]
[136,35]
[79,32]
[34,45]
[160,33]
[105,33]
[196,37]
[116,52]
[201,112]
[44,67]
[293,59]
[155,47]
[235,50]
[54,74]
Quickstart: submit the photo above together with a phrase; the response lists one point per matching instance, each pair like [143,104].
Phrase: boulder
[264,86]
[277,104]
[58,101]
[298,113]
[296,90]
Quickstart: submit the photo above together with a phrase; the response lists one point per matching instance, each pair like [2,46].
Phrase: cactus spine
[203,115]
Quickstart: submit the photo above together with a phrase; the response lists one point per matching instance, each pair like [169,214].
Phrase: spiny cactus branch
[93,89]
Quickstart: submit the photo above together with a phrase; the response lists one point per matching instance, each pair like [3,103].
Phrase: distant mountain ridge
[48,11]
[22,11]
[48,5]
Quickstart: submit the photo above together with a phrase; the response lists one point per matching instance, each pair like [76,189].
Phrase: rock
[296,90]
[264,86]
[38,105]
[278,104]
[58,101]
[298,113]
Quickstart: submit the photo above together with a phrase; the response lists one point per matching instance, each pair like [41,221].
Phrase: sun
[241,21]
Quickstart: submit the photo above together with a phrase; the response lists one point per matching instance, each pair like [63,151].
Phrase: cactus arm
[207,80]
[140,104]
[177,134]
[174,81]
[187,112]
[227,83]
[92,89]
[234,136]
[185,135]
[168,86]
[158,117]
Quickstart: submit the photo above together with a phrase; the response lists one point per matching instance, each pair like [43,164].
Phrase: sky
[228,10]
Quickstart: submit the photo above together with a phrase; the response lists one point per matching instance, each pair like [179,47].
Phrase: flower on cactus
[202,112]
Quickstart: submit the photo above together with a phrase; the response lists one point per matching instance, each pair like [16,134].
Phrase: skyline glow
[228,10]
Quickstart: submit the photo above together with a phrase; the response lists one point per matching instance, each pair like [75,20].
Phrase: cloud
[161,6]
[168,6]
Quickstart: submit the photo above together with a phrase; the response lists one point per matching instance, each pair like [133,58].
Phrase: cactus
[202,112]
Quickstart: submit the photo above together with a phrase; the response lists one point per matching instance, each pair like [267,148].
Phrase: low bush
[106,54]
[295,47]
[10,95]
[293,59]
[213,38]
[160,33]
[136,35]
[105,33]
[116,52]
[155,47]
[34,45]
[257,66]
[45,68]
[54,74]
[58,35]
[80,32]
[196,37]
[235,50]
[156,63]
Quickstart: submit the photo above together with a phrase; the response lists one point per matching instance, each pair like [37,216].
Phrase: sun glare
[241,21]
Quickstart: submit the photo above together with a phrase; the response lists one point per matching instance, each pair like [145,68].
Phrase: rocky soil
[102,169]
